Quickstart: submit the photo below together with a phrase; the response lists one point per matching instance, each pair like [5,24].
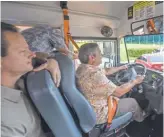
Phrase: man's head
[90,54]
[16,58]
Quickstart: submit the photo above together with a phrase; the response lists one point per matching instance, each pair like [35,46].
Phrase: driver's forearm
[123,89]
[109,71]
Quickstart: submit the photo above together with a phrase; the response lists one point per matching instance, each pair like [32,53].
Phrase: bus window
[108,50]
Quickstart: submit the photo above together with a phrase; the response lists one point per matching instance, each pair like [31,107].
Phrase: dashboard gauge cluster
[153,79]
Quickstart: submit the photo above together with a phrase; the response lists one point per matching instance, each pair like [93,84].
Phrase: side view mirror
[148,26]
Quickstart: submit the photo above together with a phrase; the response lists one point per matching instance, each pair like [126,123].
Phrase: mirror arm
[131,27]
[126,50]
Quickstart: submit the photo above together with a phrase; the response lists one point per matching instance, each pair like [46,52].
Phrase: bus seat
[50,104]
[117,128]
[85,113]
[121,120]
[83,109]
[54,105]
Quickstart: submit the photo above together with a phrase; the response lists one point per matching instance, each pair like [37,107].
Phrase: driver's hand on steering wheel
[139,79]
[123,67]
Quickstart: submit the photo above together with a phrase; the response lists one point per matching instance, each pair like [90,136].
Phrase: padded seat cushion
[117,127]
[121,120]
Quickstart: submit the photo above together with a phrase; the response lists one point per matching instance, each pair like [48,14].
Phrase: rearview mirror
[148,26]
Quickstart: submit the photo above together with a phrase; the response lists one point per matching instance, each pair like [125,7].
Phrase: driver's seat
[66,111]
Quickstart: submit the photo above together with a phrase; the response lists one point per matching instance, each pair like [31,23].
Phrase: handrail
[67,35]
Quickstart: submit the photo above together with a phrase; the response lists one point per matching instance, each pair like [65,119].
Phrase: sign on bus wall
[158,2]
[130,12]
[143,10]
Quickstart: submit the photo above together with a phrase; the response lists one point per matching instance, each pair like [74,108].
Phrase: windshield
[148,46]
[156,59]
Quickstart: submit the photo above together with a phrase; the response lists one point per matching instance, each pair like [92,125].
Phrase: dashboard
[153,90]
[154,79]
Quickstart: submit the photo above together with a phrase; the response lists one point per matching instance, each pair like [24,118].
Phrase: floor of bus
[148,128]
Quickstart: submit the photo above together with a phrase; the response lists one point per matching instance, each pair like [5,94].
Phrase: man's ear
[91,59]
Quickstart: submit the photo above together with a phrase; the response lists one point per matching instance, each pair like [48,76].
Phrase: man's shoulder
[88,72]
[83,69]
[10,99]
[80,68]
[87,68]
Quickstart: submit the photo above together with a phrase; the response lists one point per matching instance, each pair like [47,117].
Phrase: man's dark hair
[5,28]
[86,50]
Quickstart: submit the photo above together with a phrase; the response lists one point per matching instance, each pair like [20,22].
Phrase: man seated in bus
[96,87]
[19,118]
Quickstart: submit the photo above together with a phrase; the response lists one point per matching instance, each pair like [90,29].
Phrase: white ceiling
[108,8]
[111,10]
[83,14]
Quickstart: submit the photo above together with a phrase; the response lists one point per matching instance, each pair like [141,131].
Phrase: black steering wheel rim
[124,74]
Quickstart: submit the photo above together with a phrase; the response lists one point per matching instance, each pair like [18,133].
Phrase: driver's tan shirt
[18,117]
[96,87]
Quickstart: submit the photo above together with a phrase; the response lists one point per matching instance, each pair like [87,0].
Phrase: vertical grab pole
[67,35]
[63,5]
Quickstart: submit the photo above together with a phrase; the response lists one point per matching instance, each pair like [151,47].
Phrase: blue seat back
[82,108]
[49,102]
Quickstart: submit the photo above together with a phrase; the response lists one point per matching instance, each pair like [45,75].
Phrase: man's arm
[109,71]
[125,88]
[52,66]
[102,85]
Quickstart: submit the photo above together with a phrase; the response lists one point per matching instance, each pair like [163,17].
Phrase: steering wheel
[125,76]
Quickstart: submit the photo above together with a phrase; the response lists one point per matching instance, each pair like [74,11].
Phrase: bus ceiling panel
[89,32]
[28,14]
[23,14]
[58,9]
[108,9]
